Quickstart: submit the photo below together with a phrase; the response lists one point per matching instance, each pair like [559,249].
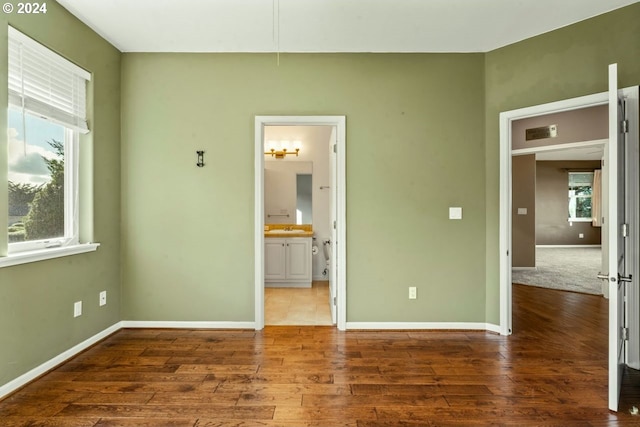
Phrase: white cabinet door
[298,262]
[274,259]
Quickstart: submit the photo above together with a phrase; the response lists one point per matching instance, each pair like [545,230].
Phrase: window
[580,196]
[46,115]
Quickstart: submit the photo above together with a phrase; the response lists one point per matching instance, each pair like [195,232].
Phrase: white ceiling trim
[328,25]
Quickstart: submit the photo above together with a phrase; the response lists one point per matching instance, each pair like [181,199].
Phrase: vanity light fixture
[280,149]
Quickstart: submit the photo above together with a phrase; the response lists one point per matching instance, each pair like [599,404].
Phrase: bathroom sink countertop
[288,230]
[286,233]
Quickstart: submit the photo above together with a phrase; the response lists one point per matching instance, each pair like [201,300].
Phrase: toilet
[326,248]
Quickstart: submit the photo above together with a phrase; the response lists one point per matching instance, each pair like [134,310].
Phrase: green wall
[415,127]
[566,63]
[422,135]
[36,299]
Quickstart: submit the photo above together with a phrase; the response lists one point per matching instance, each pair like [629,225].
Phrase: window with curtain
[596,200]
[580,196]
[46,115]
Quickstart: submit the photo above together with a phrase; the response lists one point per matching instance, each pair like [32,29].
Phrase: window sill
[43,254]
[580,220]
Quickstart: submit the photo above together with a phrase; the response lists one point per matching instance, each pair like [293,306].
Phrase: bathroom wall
[281,190]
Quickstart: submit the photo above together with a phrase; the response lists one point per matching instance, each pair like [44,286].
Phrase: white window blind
[46,84]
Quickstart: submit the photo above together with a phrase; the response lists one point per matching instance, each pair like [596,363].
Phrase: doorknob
[624,278]
[606,277]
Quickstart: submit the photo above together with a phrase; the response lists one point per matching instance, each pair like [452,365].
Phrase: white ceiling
[328,25]
[594,152]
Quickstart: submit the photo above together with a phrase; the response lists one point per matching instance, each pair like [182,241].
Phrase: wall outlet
[77,308]
[413,292]
[581,236]
[103,298]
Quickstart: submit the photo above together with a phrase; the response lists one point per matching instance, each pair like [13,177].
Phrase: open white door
[632,294]
[333,265]
[604,230]
[615,221]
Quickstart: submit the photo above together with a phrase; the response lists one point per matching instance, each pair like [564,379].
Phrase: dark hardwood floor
[551,372]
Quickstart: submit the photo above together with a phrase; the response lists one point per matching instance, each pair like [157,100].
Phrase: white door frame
[340,195]
[505,247]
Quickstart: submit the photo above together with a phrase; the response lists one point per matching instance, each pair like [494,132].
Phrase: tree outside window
[36,178]
[580,196]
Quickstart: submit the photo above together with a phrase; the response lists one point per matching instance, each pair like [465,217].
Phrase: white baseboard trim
[523,268]
[568,246]
[473,326]
[186,324]
[31,375]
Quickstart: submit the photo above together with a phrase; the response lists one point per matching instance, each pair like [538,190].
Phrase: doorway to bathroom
[299,221]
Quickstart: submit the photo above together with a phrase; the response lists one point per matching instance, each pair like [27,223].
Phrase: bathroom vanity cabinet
[287,262]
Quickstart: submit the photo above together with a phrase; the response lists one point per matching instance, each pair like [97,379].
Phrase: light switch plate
[522,211]
[455,213]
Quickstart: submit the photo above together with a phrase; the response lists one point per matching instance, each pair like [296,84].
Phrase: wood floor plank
[551,372]
[138,422]
[12,421]
[328,415]
[162,412]
[293,389]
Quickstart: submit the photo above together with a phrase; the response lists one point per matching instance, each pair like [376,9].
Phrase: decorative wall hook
[200,158]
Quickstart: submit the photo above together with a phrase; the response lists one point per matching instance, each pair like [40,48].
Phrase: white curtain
[596,199]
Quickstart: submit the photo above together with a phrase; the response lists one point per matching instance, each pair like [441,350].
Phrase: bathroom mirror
[303,198]
[288,189]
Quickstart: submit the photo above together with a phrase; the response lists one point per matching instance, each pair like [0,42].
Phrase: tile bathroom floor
[298,306]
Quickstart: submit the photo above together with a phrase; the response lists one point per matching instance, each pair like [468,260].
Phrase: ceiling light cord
[275,27]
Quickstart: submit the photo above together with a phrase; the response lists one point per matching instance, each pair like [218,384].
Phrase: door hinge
[335,300]
[334,225]
[335,148]
[624,126]
[625,230]
[625,334]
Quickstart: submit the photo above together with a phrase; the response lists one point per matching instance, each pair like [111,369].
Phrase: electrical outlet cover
[77,309]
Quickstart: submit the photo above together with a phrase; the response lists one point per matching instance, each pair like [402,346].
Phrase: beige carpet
[568,269]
